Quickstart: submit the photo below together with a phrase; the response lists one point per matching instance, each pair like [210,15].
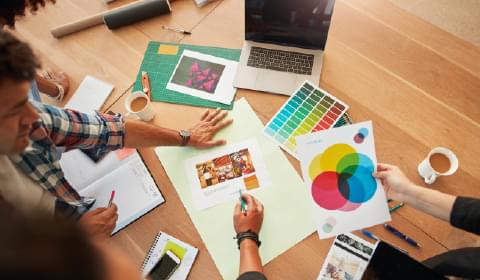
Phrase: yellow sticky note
[168,49]
[178,250]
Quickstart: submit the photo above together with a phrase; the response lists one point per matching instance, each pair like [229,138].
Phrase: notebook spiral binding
[151,251]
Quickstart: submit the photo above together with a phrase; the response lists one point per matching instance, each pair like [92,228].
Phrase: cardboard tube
[116,18]
[78,25]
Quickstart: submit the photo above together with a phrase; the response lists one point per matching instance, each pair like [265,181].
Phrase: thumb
[380,175]
[214,143]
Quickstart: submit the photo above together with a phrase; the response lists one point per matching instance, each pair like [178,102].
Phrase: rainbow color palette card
[309,109]
[337,166]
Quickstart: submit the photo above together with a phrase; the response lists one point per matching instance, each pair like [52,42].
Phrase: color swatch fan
[337,166]
[308,110]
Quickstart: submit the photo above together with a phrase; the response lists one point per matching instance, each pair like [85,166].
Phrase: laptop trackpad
[275,81]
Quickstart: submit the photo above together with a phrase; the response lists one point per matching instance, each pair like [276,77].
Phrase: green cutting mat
[160,68]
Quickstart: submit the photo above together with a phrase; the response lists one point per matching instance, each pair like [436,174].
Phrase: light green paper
[288,218]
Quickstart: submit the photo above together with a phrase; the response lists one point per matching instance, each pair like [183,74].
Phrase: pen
[112,196]
[401,235]
[177,30]
[374,237]
[146,84]
[370,235]
[242,203]
[395,208]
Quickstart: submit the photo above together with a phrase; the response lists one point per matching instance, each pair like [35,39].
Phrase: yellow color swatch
[168,50]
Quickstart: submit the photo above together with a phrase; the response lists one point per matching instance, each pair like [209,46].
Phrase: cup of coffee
[439,162]
[138,104]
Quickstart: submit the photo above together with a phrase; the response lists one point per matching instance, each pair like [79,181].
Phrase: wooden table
[419,84]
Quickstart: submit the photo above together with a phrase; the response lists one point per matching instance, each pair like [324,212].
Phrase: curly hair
[17,61]
[13,8]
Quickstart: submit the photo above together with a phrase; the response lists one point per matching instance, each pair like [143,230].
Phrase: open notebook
[123,171]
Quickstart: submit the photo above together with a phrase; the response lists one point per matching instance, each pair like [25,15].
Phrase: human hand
[397,185]
[101,221]
[254,216]
[201,135]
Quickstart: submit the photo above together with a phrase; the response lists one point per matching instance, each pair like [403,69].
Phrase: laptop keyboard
[278,60]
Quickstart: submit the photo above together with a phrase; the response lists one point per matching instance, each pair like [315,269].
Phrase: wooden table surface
[419,84]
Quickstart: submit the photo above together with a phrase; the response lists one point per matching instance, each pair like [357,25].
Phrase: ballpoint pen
[177,30]
[242,203]
[399,234]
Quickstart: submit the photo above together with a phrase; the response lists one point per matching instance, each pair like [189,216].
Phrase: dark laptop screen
[300,23]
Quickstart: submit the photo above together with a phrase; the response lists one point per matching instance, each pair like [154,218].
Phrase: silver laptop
[284,43]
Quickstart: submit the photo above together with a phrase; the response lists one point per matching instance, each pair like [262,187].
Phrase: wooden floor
[419,84]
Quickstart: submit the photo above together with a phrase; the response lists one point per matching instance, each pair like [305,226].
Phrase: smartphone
[165,267]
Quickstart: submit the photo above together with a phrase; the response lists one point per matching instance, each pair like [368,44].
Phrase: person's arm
[250,263]
[460,212]
[140,134]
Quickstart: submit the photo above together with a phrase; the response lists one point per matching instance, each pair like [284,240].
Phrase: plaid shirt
[67,129]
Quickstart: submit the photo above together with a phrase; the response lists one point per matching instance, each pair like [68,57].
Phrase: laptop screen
[299,23]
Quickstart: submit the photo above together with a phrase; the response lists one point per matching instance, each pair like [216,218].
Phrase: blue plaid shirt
[68,129]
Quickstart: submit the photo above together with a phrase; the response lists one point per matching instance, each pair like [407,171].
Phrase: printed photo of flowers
[198,74]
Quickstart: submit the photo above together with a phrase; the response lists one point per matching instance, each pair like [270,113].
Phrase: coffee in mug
[138,104]
[439,162]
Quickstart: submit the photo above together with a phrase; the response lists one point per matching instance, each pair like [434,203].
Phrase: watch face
[185,133]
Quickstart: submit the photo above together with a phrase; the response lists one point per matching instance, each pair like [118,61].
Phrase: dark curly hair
[17,61]
[13,8]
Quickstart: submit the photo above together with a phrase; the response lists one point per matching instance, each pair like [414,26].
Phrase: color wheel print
[342,178]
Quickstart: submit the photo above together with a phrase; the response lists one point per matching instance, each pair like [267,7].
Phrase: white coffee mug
[426,170]
[147,113]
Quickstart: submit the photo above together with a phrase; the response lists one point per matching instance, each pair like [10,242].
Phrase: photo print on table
[204,76]
[218,176]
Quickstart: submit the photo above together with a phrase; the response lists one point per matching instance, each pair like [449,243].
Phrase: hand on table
[201,135]
[397,185]
[252,220]
[101,221]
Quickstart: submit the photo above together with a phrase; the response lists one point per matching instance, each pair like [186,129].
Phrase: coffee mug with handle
[426,170]
[145,114]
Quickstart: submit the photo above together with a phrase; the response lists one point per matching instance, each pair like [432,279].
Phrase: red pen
[112,196]
[146,84]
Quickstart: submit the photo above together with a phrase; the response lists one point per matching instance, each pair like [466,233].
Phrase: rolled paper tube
[76,26]
[133,13]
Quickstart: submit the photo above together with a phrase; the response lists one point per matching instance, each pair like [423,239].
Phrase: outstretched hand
[202,134]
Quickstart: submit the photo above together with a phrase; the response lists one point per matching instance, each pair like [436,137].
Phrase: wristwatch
[185,137]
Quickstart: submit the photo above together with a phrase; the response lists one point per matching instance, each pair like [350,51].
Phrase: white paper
[337,166]
[135,191]
[81,171]
[155,254]
[224,92]
[90,95]
[216,177]
[347,259]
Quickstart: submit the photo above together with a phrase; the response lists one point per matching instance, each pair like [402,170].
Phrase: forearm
[249,257]
[430,201]
[139,134]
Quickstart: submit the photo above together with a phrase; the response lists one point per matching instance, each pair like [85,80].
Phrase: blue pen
[374,237]
[401,235]
[370,235]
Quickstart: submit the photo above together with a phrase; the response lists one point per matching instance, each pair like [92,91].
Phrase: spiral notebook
[163,243]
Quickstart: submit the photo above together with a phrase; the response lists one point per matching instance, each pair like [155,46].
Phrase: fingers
[222,125]
[384,167]
[214,143]
[238,209]
[211,116]
[109,213]
[250,200]
[221,115]
[205,115]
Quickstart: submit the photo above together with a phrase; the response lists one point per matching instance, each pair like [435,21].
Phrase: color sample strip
[309,109]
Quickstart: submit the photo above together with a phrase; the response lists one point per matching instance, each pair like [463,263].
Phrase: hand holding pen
[251,218]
